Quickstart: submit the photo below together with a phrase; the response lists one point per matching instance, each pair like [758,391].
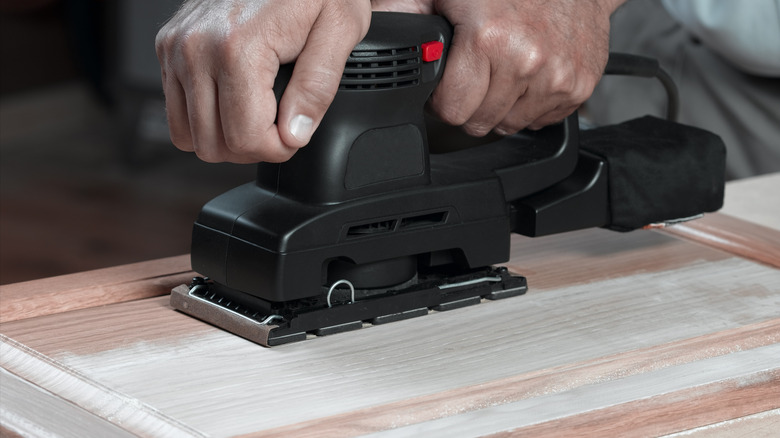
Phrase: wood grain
[552,380]
[94,288]
[61,419]
[132,347]
[643,405]
[733,235]
[762,425]
[551,262]
[641,333]
[109,407]
[723,398]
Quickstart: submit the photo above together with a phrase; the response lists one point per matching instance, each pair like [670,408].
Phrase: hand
[516,64]
[219,59]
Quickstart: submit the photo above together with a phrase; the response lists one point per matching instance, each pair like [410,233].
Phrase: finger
[176,112]
[247,108]
[464,83]
[555,116]
[204,119]
[504,91]
[540,107]
[525,111]
[413,7]
[315,79]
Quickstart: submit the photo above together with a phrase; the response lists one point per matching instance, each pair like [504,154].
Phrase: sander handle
[372,139]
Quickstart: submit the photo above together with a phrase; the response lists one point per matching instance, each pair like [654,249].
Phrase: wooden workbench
[640,334]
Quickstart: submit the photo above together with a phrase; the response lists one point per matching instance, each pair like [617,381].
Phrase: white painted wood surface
[146,367]
[741,368]
[615,325]
[29,410]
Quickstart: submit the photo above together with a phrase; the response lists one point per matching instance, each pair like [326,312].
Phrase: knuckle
[581,94]
[532,61]
[547,120]
[512,124]
[477,129]
[192,50]
[192,44]
[179,134]
[509,128]
[231,49]
[238,137]
[181,141]
[165,45]
[522,52]
[354,19]
[161,44]
[451,114]
[529,57]
[492,34]
[505,130]
[209,155]
[562,81]
[165,37]
[318,88]
[240,144]
[188,49]
[453,117]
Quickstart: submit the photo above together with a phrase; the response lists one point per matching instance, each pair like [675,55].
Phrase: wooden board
[96,288]
[606,311]
[638,334]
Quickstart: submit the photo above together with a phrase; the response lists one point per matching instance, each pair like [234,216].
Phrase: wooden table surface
[648,333]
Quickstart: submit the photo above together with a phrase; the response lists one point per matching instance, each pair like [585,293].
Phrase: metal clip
[333,287]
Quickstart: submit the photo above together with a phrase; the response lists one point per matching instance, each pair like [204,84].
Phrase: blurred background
[88,177]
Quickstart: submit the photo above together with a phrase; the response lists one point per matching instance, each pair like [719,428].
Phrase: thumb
[315,79]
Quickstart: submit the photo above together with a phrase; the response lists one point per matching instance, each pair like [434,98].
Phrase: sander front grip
[372,140]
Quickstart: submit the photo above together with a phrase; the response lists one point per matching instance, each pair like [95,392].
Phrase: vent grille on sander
[393,68]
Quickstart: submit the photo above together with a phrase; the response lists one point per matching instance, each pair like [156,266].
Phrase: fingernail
[300,127]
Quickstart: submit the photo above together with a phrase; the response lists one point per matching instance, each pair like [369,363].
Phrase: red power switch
[432,50]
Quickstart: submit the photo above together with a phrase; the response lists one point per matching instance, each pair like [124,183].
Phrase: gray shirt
[721,89]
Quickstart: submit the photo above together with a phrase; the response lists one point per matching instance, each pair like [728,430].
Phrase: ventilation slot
[423,221]
[372,228]
[394,68]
